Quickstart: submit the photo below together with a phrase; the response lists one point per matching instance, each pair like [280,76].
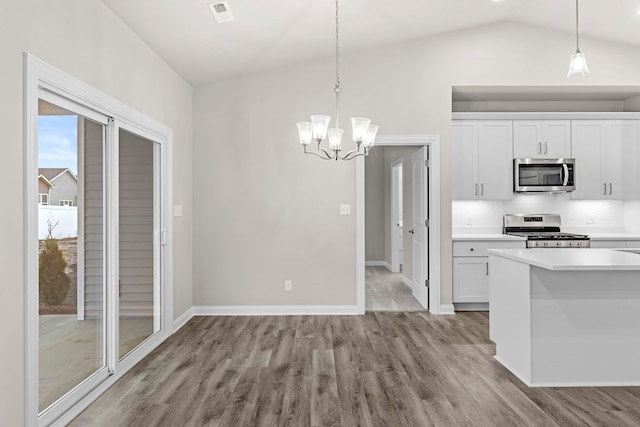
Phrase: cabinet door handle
[539,147]
[545,147]
[605,188]
[482,189]
[487,264]
[610,188]
[477,189]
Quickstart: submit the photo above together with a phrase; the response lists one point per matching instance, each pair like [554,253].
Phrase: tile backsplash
[595,216]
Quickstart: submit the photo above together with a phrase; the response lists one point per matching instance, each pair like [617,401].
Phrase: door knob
[411,231]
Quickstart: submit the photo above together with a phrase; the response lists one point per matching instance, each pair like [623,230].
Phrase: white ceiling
[266,34]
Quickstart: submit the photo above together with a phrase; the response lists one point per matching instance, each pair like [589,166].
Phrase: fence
[63,219]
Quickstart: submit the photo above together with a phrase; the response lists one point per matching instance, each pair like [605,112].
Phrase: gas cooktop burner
[543,231]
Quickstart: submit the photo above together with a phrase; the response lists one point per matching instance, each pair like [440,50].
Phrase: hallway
[385,291]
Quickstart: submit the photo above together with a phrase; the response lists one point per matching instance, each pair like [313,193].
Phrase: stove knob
[557,243]
[570,244]
[546,243]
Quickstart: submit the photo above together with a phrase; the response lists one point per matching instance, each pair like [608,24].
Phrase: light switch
[345,209]
[177,210]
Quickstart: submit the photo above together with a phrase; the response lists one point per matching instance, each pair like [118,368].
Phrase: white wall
[375,198]
[267,212]
[632,216]
[84,39]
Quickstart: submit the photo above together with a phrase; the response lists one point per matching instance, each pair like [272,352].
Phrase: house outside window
[43,199]
[66,202]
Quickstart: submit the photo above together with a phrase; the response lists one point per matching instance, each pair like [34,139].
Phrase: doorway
[388,287]
[97,297]
[425,167]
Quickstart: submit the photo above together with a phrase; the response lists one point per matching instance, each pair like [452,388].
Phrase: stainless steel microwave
[543,175]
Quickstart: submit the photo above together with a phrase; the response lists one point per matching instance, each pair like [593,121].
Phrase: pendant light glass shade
[335,139]
[370,138]
[578,66]
[305,132]
[360,127]
[320,125]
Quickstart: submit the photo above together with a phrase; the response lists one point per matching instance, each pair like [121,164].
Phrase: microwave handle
[565,181]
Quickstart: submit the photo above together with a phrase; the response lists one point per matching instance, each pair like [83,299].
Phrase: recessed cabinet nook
[484,145]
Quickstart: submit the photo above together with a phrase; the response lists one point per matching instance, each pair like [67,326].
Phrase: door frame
[433,190]
[39,76]
[395,215]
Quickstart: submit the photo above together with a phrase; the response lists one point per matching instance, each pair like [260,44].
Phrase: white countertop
[485,236]
[613,236]
[500,236]
[572,259]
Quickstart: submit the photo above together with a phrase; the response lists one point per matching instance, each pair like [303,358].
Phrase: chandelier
[364,133]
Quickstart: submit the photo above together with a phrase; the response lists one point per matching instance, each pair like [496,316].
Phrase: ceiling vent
[222,11]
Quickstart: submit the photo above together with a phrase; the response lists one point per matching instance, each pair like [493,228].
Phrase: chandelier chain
[577,32]
[337,50]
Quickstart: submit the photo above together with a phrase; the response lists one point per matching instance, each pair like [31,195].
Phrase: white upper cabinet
[606,156]
[482,152]
[538,139]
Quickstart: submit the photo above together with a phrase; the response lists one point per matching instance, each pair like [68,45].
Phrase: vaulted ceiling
[266,34]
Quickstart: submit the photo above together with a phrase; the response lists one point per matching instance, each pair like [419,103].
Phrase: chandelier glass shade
[317,130]
[578,66]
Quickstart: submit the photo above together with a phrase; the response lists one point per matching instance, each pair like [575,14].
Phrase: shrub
[54,281]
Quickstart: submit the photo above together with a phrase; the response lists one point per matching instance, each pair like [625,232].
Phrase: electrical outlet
[591,219]
[288,285]
[345,209]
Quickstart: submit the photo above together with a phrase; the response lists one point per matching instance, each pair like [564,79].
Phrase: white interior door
[419,227]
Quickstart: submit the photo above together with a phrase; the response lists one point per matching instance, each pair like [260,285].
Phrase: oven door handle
[565,181]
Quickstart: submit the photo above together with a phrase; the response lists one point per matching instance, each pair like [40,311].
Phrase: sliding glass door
[139,246]
[97,245]
[72,346]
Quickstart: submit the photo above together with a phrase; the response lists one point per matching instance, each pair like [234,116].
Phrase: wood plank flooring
[380,369]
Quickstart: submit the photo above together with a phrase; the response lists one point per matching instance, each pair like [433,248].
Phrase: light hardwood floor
[380,369]
[385,291]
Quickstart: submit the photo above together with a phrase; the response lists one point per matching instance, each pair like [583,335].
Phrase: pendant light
[578,65]
[317,130]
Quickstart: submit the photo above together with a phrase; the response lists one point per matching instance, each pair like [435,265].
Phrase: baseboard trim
[413,286]
[275,310]
[447,309]
[378,264]
[471,306]
[182,319]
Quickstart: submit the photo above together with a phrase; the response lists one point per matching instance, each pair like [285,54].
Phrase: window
[43,199]
[66,202]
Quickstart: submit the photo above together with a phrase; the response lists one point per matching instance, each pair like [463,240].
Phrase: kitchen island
[566,317]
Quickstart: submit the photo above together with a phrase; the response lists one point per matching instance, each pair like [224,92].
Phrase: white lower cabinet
[470,279]
[471,271]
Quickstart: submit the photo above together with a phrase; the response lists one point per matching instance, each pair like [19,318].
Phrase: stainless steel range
[542,231]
